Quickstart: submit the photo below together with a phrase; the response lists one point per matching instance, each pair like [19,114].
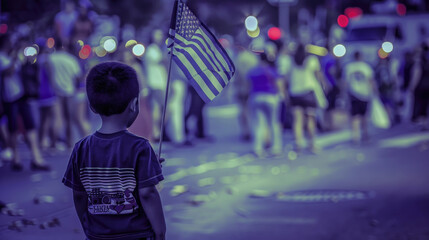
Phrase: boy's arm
[151,203]
[80,203]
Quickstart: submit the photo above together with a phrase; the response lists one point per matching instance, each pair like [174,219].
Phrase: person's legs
[257,120]
[311,127]
[31,134]
[80,117]
[356,128]
[66,111]
[298,122]
[45,122]
[11,110]
[274,120]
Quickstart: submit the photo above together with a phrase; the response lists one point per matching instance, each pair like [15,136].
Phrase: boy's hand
[161,160]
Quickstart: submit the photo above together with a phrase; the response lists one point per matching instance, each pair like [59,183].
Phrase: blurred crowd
[279,84]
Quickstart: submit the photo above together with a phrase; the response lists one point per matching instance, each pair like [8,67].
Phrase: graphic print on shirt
[110,190]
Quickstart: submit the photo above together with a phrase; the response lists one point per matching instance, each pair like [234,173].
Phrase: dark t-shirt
[263,79]
[111,168]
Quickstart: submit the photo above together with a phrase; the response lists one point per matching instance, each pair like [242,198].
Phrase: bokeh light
[401,9]
[254,34]
[387,47]
[339,50]
[30,51]
[251,23]
[110,45]
[382,54]
[130,43]
[85,52]
[50,43]
[3,28]
[274,33]
[138,50]
[353,12]
[343,21]
[81,43]
[316,50]
[100,51]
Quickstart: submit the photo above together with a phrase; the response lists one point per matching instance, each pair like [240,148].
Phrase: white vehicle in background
[369,32]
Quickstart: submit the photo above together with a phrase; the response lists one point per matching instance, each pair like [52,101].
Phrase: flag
[198,54]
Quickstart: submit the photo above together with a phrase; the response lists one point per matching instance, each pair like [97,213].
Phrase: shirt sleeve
[71,177]
[148,170]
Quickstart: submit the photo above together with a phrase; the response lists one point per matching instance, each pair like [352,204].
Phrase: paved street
[218,190]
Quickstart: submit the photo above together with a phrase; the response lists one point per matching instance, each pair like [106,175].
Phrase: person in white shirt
[359,78]
[157,79]
[306,95]
[65,74]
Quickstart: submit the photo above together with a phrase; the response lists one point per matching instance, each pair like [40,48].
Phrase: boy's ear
[92,109]
[133,104]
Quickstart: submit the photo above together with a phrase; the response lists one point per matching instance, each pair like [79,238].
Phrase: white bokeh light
[30,51]
[138,50]
[387,47]
[109,45]
[339,50]
[251,23]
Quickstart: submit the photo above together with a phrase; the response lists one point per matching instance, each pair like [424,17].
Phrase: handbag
[378,114]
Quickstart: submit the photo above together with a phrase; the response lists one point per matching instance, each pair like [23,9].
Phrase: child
[112,172]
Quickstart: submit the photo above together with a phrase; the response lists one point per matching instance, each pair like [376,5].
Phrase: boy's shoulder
[124,137]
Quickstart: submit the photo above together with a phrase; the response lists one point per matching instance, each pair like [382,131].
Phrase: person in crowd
[360,85]
[386,76]
[306,95]
[65,74]
[176,107]
[49,110]
[245,61]
[196,110]
[331,74]
[15,99]
[284,65]
[264,102]
[143,124]
[112,172]
[83,27]
[419,86]
[157,79]
[64,21]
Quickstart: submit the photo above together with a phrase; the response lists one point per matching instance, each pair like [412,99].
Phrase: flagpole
[161,136]
[172,28]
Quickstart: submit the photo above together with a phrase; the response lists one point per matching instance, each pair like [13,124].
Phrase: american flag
[198,54]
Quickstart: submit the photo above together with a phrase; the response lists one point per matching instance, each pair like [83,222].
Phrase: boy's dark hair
[110,87]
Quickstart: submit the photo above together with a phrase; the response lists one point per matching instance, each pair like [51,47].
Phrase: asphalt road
[219,190]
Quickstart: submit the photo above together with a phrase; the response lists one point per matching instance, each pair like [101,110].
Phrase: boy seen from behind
[112,172]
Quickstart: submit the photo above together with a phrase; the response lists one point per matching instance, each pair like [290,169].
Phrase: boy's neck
[112,124]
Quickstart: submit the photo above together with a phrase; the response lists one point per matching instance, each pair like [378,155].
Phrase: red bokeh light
[343,21]
[3,28]
[50,43]
[401,9]
[85,52]
[274,33]
[353,12]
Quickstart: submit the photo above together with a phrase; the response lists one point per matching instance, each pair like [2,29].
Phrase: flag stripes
[198,54]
